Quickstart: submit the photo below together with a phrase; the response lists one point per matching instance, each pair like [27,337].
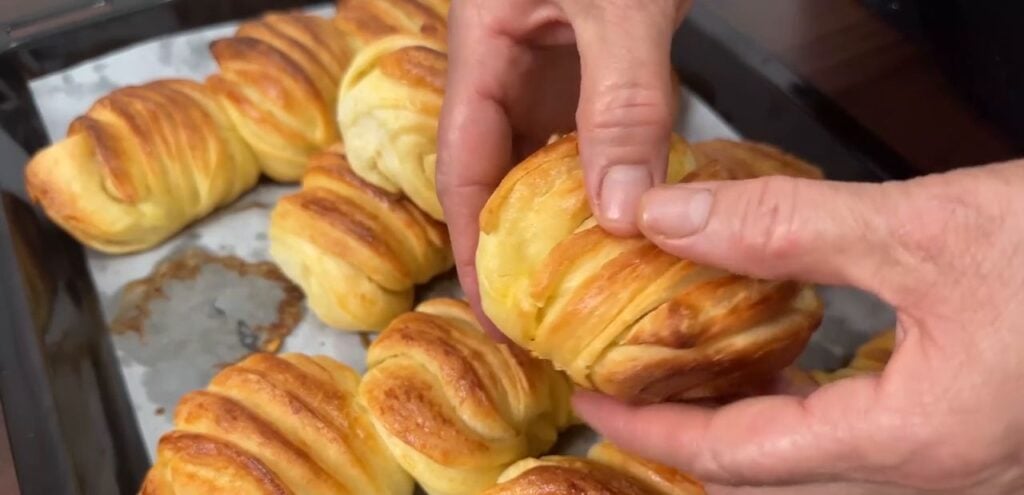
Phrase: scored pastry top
[620,315]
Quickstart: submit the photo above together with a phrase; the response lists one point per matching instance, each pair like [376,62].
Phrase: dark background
[940,81]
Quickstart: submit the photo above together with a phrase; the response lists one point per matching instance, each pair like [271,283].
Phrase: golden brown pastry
[140,165]
[356,250]
[275,424]
[364,21]
[607,470]
[871,357]
[618,314]
[279,79]
[388,110]
[455,407]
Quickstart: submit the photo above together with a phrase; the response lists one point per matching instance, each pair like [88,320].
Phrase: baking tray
[131,391]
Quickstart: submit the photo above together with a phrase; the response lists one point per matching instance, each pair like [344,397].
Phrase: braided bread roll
[356,250]
[454,407]
[279,79]
[364,21]
[140,165]
[871,357]
[275,424]
[607,470]
[618,314]
[388,110]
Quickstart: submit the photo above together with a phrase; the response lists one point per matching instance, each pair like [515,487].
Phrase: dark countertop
[937,80]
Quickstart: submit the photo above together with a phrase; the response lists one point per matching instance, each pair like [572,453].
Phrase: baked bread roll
[356,250]
[454,407]
[607,470]
[140,165]
[365,21]
[388,109]
[618,314]
[279,79]
[871,357]
[275,424]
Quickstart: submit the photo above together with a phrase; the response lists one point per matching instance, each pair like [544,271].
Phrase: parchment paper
[185,342]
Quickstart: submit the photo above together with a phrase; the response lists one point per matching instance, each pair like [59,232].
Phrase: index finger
[474,135]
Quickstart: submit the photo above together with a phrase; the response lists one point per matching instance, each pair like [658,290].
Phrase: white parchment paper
[181,355]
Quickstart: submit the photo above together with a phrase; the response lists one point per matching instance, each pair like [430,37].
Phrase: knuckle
[626,105]
[767,219]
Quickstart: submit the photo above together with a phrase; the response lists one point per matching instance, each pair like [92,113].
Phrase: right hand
[946,415]
[518,69]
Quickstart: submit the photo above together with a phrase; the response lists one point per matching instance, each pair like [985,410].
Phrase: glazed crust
[275,425]
[356,250]
[455,407]
[279,79]
[141,164]
[365,21]
[388,110]
[618,314]
[607,470]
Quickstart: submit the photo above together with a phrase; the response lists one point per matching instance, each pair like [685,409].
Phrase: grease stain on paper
[213,309]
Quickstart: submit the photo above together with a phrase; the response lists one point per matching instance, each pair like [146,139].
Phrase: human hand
[947,413]
[515,78]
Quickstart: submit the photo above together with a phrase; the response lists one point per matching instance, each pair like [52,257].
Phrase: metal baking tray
[98,348]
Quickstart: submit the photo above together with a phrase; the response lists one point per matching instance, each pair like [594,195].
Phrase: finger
[772,440]
[474,137]
[625,112]
[786,228]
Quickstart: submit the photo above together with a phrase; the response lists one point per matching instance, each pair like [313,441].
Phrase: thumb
[781,227]
[770,441]
[627,102]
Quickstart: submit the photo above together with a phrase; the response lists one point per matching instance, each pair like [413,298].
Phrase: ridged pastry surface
[356,250]
[278,79]
[388,110]
[269,424]
[141,164]
[607,470]
[365,21]
[618,314]
[455,407]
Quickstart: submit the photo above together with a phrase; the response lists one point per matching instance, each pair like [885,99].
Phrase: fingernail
[621,190]
[675,212]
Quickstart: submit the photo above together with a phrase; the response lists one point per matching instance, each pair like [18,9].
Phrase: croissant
[871,357]
[275,424]
[455,407]
[388,109]
[619,315]
[141,164]
[607,470]
[357,251]
[279,79]
[367,20]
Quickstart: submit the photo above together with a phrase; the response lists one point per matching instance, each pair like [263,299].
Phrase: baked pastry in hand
[455,407]
[618,314]
[275,424]
[607,470]
[279,79]
[365,21]
[140,165]
[871,357]
[356,250]
[388,110]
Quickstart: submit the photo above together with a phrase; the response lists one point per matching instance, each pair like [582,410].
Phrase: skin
[947,414]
